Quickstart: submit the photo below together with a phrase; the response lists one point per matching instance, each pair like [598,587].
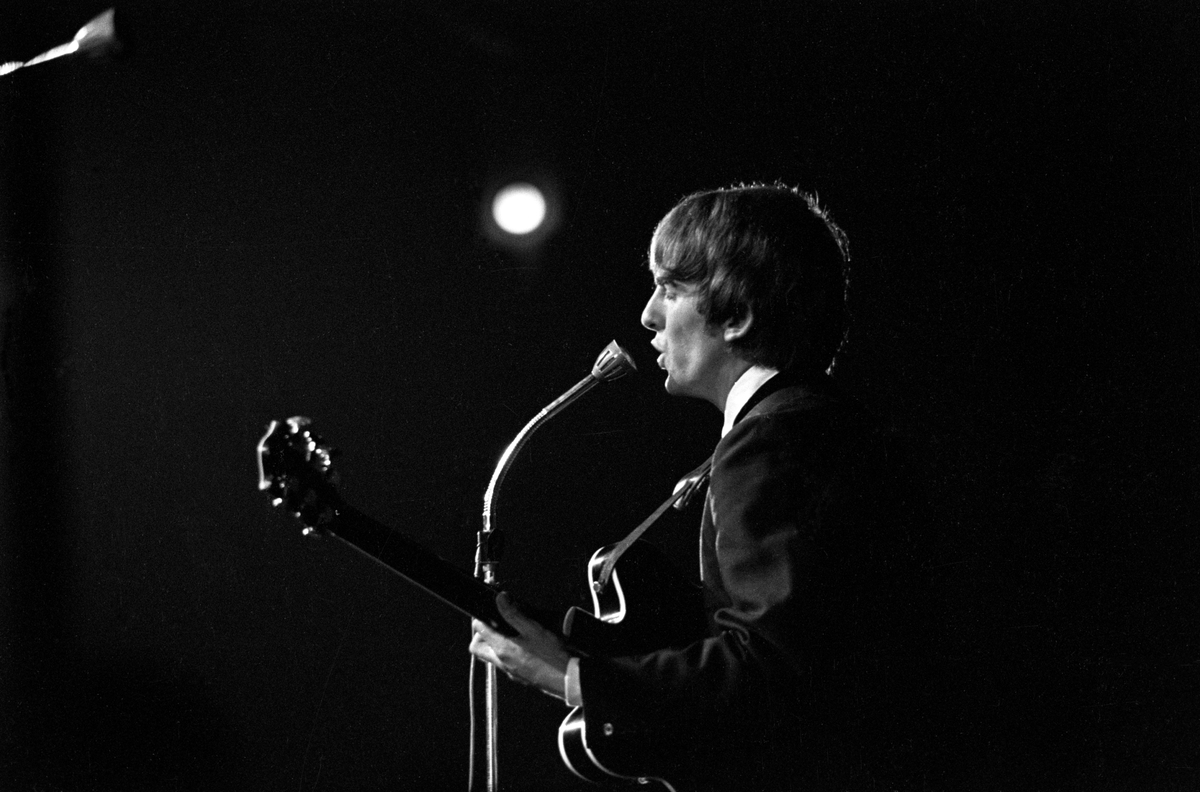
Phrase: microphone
[612,363]
[98,37]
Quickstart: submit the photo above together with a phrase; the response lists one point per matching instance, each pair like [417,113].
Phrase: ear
[737,328]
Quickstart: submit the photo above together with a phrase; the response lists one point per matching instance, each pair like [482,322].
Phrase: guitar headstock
[296,469]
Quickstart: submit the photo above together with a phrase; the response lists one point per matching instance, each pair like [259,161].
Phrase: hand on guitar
[535,656]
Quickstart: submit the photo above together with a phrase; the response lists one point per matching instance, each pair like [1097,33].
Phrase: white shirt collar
[745,387]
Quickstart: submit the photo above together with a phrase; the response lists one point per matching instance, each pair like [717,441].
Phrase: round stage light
[519,208]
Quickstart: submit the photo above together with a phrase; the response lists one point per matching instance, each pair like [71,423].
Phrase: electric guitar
[296,471]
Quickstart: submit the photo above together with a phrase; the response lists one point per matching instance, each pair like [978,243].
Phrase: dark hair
[770,250]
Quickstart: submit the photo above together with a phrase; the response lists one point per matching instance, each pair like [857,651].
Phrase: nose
[652,313]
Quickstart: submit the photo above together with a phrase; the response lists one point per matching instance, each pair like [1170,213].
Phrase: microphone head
[99,36]
[613,363]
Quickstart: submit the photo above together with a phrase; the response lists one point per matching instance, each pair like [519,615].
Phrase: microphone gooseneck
[612,364]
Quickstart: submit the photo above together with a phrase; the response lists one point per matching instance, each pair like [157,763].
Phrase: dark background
[264,211]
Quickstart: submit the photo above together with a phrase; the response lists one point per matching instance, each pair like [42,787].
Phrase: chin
[673,387]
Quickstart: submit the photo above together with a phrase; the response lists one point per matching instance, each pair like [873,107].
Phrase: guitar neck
[419,566]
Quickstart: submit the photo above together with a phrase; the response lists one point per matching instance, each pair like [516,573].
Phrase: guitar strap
[685,490]
[693,482]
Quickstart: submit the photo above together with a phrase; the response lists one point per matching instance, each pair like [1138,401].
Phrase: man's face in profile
[691,348]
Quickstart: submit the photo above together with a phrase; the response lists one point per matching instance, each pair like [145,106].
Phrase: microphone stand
[612,363]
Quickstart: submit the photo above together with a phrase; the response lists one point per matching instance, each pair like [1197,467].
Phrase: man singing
[811,674]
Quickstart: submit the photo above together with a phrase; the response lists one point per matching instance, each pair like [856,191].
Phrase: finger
[513,614]
[485,631]
[484,652]
[484,636]
[487,654]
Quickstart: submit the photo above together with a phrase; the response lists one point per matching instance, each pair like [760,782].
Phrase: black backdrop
[257,212]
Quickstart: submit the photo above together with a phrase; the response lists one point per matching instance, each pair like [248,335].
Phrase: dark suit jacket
[813,580]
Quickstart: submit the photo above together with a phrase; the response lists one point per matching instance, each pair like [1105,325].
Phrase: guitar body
[646,605]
